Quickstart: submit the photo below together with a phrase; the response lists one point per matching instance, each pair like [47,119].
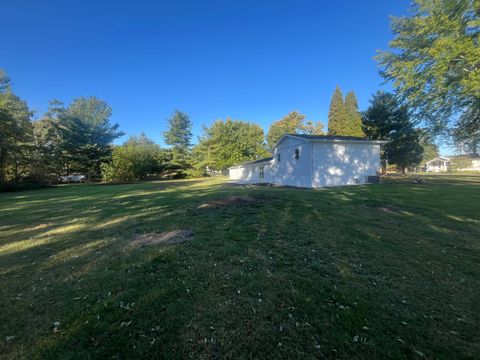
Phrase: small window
[297,154]
[278,157]
[262,172]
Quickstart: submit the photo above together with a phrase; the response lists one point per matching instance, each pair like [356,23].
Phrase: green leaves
[344,119]
[434,61]
[387,119]
[293,123]
[230,142]
[139,158]
[179,133]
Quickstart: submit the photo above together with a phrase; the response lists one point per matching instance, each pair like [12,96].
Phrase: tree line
[77,138]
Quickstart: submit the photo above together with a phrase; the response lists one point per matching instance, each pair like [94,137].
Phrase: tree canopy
[337,115]
[387,119]
[292,123]
[354,117]
[179,133]
[139,158]
[230,142]
[434,61]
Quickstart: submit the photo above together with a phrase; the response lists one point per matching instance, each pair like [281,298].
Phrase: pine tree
[179,136]
[354,118]
[337,116]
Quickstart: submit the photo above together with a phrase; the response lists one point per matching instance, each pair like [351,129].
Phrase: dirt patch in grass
[235,200]
[168,237]
[387,210]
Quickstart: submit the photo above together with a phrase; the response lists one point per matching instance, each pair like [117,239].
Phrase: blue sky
[250,60]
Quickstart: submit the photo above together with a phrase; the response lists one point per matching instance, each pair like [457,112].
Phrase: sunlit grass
[379,271]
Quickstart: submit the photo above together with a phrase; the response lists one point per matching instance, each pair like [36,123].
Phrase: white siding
[290,171]
[337,164]
[250,173]
[319,164]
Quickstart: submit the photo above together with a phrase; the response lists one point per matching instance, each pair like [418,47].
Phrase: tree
[337,115]
[15,134]
[85,134]
[466,133]
[387,119]
[139,158]
[354,118]
[293,123]
[230,142]
[434,63]
[179,136]
[430,149]
[179,133]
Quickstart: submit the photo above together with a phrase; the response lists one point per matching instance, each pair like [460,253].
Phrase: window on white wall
[262,172]
[278,157]
[297,154]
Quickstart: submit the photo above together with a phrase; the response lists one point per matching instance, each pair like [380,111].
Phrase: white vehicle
[72,179]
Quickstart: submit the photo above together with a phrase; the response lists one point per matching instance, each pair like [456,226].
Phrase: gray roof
[257,161]
[329,137]
[253,162]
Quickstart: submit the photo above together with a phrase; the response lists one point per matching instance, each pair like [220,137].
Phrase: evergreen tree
[85,134]
[179,133]
[337,115]
[354,118]
[387,119]
[179,136]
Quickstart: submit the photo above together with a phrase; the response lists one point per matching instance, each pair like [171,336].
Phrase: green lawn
[378,271]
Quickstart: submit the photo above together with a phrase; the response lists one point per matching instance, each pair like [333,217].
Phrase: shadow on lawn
[111,299]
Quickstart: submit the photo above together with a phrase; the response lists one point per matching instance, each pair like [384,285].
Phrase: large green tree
[85,134]
[354,117]
[387,119]
[179,136]
[139,158]
[230,142]
[292,123]
[434,61]
[15,133]
[337,115]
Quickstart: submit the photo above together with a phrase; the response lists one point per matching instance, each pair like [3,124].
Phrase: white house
[314,161]
[453,163]
[439,164]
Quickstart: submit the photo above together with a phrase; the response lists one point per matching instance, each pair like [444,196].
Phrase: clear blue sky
[250,60]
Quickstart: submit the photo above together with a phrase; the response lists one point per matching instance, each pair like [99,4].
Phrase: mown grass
[378,271]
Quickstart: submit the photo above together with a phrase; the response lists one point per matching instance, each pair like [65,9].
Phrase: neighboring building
[314,161]
[453,163]
[439,164]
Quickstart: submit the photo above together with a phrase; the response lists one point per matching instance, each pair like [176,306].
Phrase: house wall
[250,173]
[336,164]
[290,171]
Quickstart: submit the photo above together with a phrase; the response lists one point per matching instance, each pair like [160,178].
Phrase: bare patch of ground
[234,200]
[387,210]
[168,237]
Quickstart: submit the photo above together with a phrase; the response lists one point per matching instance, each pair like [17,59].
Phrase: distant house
[314,161]
[453,163]
[439,164]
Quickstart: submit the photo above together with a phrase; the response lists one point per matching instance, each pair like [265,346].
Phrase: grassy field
[378,271]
